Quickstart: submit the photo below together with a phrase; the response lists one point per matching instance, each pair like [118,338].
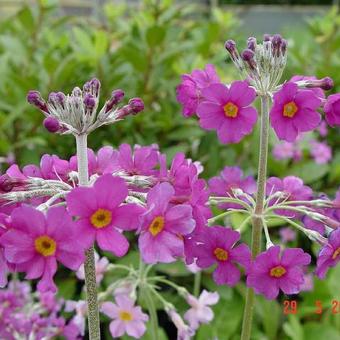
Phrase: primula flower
[231,177]
[286,150]
[271,272]
[200,312]
[127,318]
[292,189]
[321,152]
[184,332]
[217,246]
[101,267]
[141,162]
[101,213]
[35,243]
[163,226]
[287,234]
[329,255]
[294,111]
[318,91]
[332,109]
[189,91]
[79,319]
[227,110]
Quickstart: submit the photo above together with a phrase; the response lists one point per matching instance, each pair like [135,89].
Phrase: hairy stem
[197,283]
[153,313]
[257,217]
[89,266]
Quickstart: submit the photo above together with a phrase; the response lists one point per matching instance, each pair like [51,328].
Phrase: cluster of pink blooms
[24,316]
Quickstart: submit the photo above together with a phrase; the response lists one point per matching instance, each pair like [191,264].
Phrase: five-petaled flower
[271,272]
[35,243]
[102,214]
[227,110]
[217,246]
[126,318]
[163,226]
[294,111]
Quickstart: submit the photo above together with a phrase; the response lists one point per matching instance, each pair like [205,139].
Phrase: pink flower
[102,213]
[287,234]
[231,177]
[292,189]
[126,318]
[321,152]
[184,332]
[189,91]
[271,272]
[217,246]
[163,226]
[200,312]
[142,161]
[36,242]
[318,91]
[286,150]
[329,255]
[101,267]
[79,319]
[294,111]
[227,110]
[323,130]
[332,109]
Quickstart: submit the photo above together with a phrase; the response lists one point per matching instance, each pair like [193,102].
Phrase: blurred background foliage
[144,50]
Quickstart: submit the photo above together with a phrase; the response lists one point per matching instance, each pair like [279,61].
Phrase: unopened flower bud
[34,98]
[248,57]
[136,104]
[89,101]
[77,92]
[230,46]
[6,185]
[324,83]
[251,43]
[95,86]
[266,37]
[116,97]
[284,46]
[51,124]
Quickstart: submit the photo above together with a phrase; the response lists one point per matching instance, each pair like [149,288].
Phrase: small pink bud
[51,124]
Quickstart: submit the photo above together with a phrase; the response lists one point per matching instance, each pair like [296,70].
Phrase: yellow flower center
[277,271]
[221,254]
[125,315]
[290,109]
[156,226]
[45,246]
[101,218]
[336,254]
[230,110]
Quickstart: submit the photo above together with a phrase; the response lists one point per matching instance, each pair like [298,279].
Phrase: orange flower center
[277,271]
[221,254]
[230,110]
[157,225]
[125,315]
[45,246]
[101,218]
[336,254]
[290,109]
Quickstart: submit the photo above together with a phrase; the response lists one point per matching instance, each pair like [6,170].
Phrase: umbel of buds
[261,64]
[76,113]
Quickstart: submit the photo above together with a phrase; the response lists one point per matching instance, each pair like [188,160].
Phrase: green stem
[257,218]
[152,312]
[197,283]
[89,265]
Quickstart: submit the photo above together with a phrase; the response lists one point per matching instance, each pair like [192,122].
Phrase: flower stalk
[89,266]
[257,219]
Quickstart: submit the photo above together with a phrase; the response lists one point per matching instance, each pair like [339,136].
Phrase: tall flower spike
[261,64]
[76,113]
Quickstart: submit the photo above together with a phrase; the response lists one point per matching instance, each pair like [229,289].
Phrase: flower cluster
[227,108]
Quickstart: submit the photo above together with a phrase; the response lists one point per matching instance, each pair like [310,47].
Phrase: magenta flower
[35,243]
[217,246]
[163,226]
[102,213]
[231,177]
[287,234]
[200,312]
[329,255]
[294,111]
[271,272]
[332,109]
[318,91]
[292,189]
[189,91]
[227,110]
[141,162]
[126,318]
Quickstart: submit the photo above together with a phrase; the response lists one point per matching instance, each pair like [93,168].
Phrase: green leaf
[155,35]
